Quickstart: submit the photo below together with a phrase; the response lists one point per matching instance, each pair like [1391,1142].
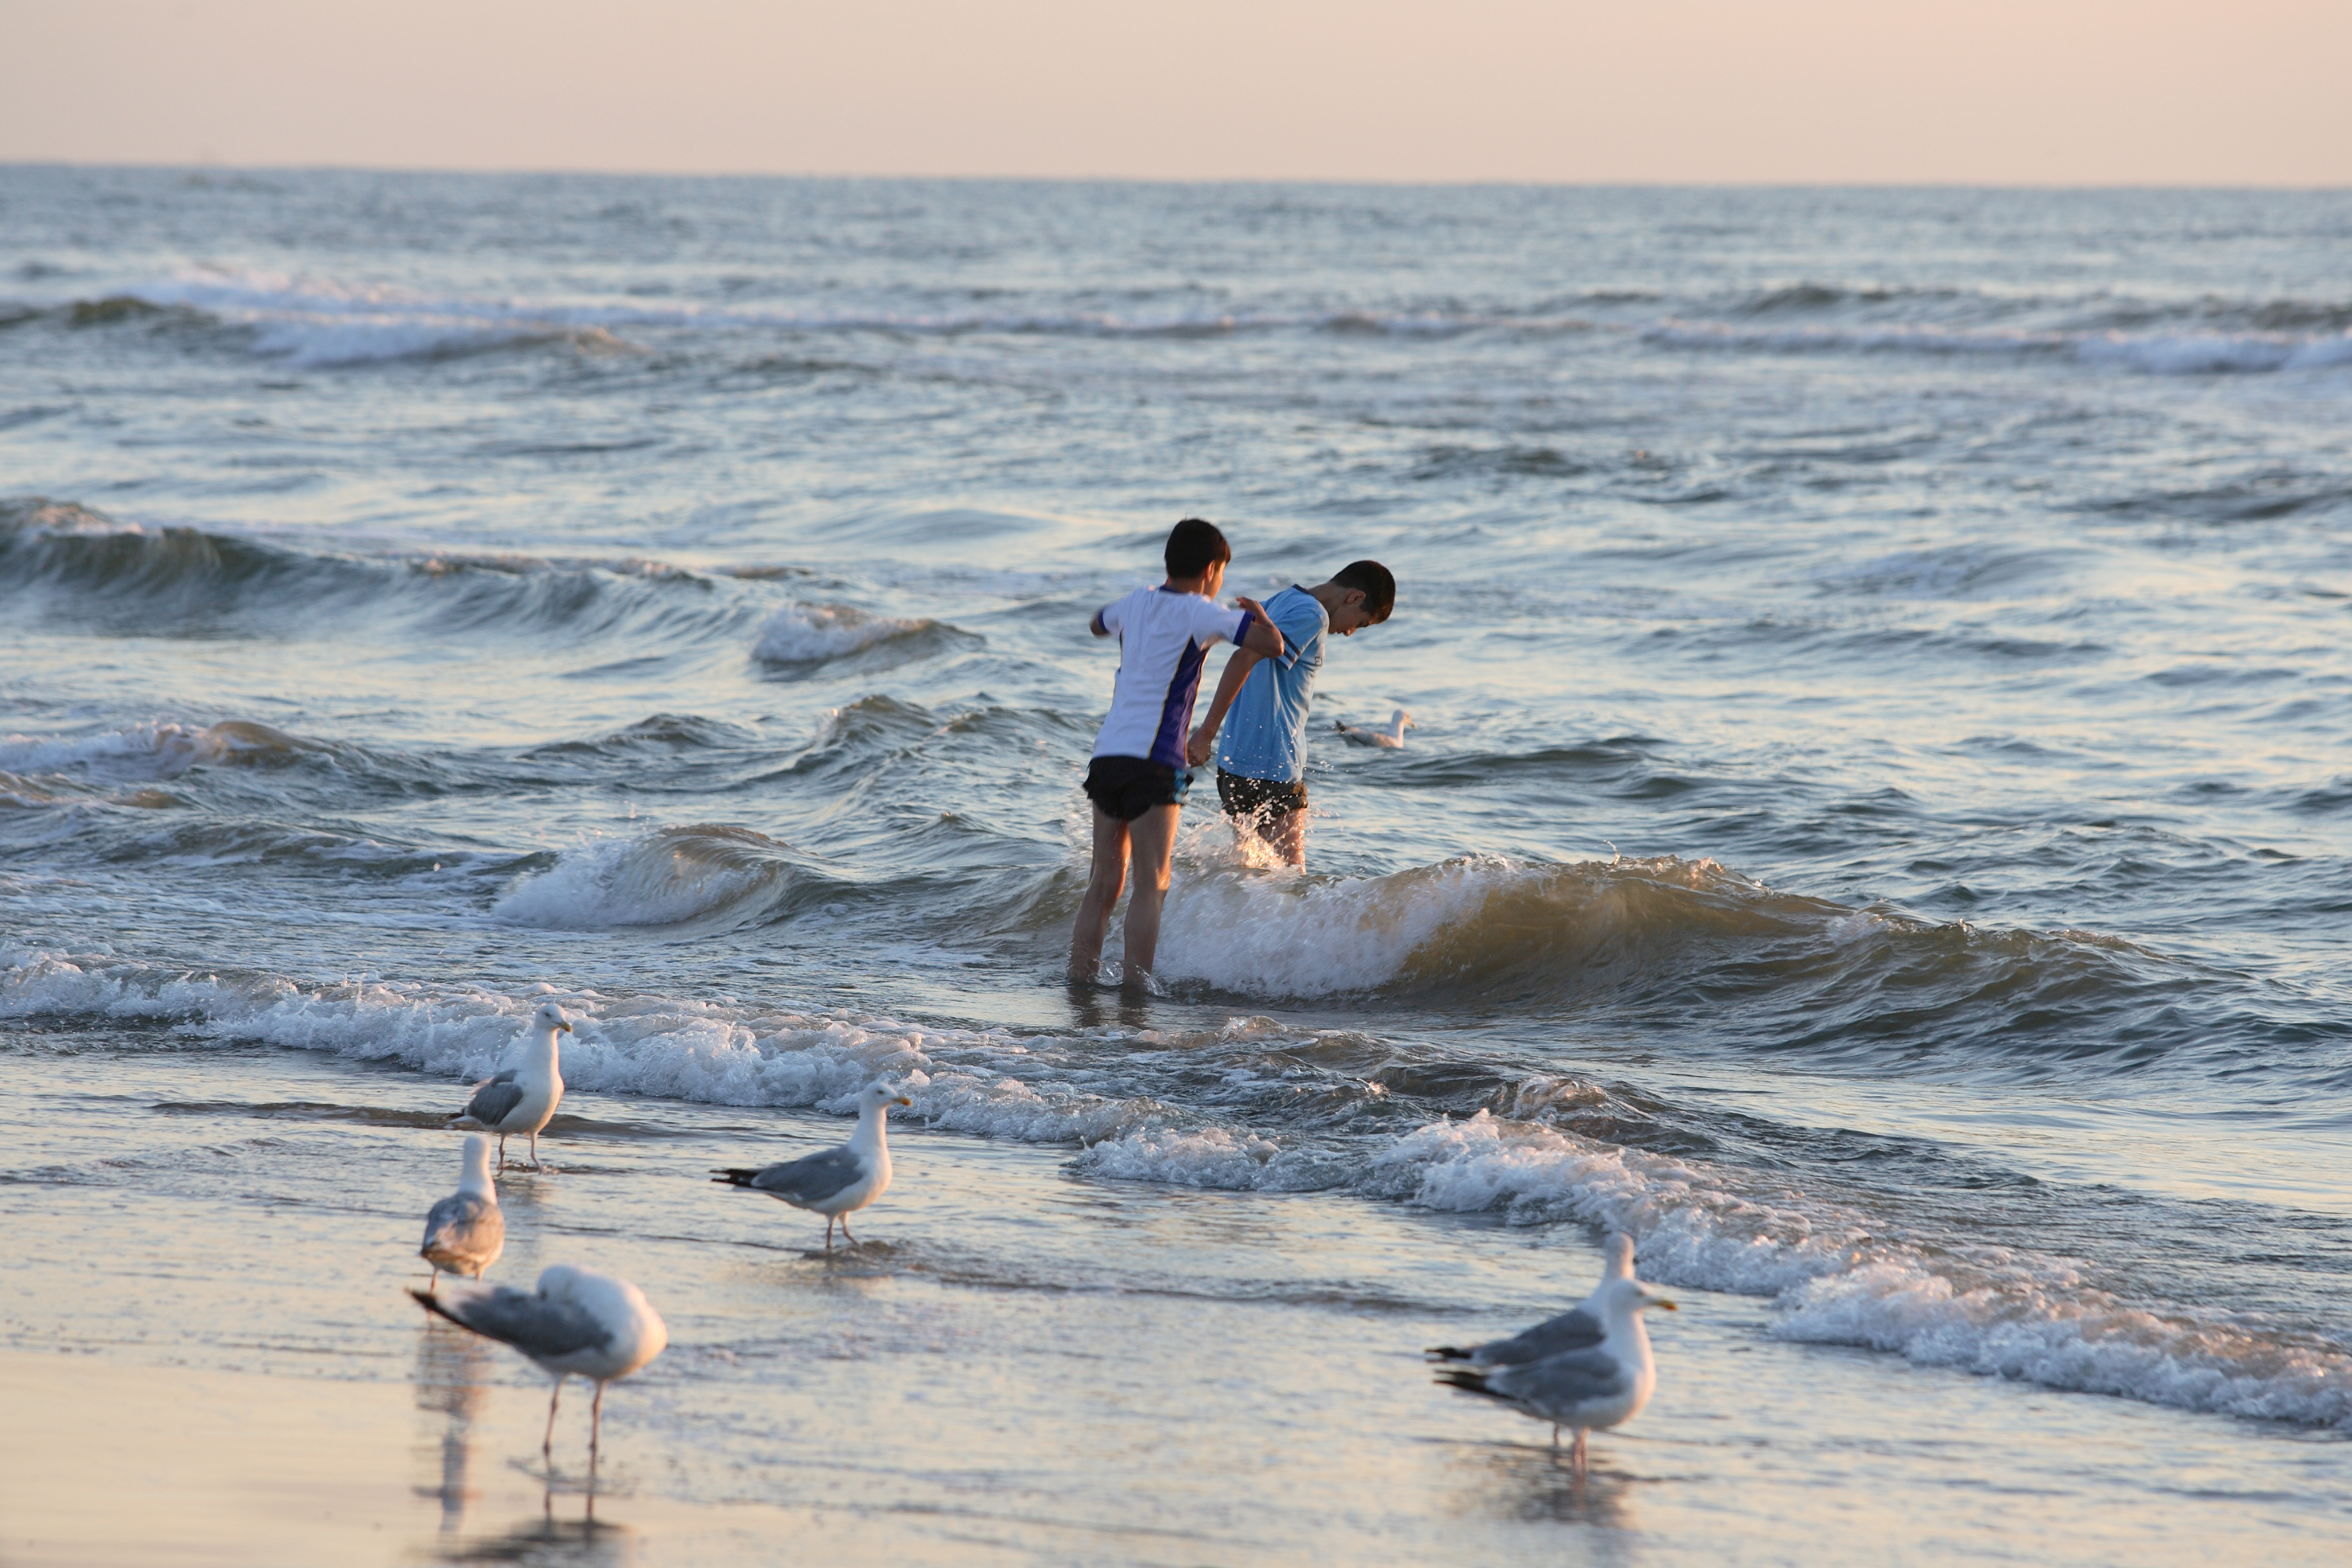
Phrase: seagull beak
[902,1099]
[564,1027]
[1669,1306]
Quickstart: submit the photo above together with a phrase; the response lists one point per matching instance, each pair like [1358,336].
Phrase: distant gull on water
[465,1233]
[840,1181]
[521,1098]
[1390,735]
[1587,1384]
[577,1323]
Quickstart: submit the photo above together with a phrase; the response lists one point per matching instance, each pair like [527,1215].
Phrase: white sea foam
[810,634]
[1836,1280]
[718,1052]
[1453,923]
[1835,1274]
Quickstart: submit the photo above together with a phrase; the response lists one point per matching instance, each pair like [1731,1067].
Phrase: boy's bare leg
[1153,837]
[1105,876]
[1286,833]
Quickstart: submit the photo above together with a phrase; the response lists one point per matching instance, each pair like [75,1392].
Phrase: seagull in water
[577,1323]
[521,1098]
[1570,1378]
[1580,1328]
[840,1181]
[1392,736]
[465,1233]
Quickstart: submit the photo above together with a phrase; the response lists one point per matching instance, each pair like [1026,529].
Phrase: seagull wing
[1574,1329]
[1560,1382]
[524,1319]
[495,1100]
[463,1224]
[811,1179]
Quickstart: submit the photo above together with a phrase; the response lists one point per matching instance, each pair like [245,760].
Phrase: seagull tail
[733,1176]
[435,1305]
[1469,1381]
[1447,1353]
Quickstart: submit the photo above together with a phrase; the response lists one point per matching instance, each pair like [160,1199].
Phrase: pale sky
[1991,92]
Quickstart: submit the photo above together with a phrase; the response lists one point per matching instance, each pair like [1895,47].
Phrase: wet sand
[211,1360]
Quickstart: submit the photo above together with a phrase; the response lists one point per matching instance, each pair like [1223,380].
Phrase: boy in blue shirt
[1261,765]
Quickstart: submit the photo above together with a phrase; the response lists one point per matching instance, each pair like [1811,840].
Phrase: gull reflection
[1527,1482]
[450,1368]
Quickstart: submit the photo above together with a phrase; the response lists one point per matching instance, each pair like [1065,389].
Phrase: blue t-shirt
[1265,732]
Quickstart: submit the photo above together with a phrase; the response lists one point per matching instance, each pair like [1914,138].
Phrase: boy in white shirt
[1138,778]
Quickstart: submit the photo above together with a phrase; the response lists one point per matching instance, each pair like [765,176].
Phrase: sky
[1780,91]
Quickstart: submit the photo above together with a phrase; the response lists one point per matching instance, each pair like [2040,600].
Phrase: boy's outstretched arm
[1263,638]
[1229,686]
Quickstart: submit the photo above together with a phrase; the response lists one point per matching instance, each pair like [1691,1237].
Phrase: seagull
[1579,1328]
[1392,737]
[521,1098]
[465,1233]
[576,1322]
[840,1181]
[1593,1386]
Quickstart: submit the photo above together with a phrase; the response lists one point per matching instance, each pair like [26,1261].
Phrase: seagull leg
[828,1233]
[534,1151]
[844,1231]
[433,1286]
[547,1444]
[502,1151]
[1576,1455]
[1555,1437]
[595,1430]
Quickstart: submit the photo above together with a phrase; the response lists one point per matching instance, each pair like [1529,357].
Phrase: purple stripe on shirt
[1168,745]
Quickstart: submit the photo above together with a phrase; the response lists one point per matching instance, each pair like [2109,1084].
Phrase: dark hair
[1194,546]
[1379,588]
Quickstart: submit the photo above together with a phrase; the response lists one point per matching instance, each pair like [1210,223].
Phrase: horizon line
[202,166]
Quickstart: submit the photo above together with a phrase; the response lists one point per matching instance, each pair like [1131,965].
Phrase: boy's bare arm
[1229,685]
[1262,638]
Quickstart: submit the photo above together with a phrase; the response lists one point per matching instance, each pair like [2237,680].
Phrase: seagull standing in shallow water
[576,1324]
[1578,1329]
[839,1180]
[465,1233]
[1586,1385]
[522,1099]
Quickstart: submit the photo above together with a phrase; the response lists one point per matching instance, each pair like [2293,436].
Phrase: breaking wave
[707,873]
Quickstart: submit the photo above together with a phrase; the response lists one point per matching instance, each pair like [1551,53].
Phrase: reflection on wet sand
[1516,1480]
[452,1367]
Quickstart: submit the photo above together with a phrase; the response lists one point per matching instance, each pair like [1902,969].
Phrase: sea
[1875,829]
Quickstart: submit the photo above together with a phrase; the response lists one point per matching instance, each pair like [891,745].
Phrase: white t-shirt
[1162,637]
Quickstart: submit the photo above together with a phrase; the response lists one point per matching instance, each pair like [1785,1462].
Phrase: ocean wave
[1637,939]
[83,564]
[1837,1278]
[2172,353]
[1475,923]
[716,1052]
[155,751]
[1833,1273]
[703,874]
[319,322]
[814,634]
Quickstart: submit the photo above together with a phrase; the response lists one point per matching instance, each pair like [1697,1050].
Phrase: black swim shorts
[1127,787]
[1265,798]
